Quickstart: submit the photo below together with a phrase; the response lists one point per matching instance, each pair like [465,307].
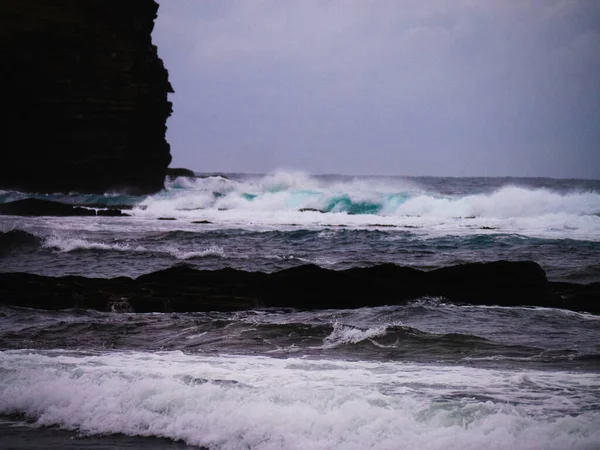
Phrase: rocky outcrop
[84,97]
[183,289]
[176,172]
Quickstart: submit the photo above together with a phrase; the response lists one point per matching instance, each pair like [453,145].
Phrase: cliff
[85,96]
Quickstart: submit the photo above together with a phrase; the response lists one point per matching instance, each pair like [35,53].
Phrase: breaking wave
[17,240]
[296,198]
[70,244]
[231,402]
[294,191]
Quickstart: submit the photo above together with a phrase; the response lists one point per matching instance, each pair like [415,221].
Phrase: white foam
[275,200]
[507,202]
[213,250]
[264,403]
[67,244]
[344,334]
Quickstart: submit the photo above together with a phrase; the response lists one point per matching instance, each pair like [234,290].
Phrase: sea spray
[295,198]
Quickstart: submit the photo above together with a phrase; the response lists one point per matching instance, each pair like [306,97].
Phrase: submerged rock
[85,96]
[173,173]
[184,289]
[111,212]
[311,210]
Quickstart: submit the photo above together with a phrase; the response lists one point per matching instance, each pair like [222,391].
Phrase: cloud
[410,87]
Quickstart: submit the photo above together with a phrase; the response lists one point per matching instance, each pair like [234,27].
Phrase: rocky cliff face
[84,96]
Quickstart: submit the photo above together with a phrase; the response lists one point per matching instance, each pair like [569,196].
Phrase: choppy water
[428,375]
[256,224]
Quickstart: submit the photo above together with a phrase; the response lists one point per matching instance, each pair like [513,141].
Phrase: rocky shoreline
[184,289]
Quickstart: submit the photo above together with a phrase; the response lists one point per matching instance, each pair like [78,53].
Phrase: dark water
[271,223]
[426,331]
[425,375]
[108,253]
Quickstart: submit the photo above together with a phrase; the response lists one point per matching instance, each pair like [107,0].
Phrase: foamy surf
[231,402]
[286,198]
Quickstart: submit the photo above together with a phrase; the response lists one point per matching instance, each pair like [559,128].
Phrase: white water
[275,201]
[70,243]
[264,403]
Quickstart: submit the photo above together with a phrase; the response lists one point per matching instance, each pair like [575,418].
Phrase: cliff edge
[85,97]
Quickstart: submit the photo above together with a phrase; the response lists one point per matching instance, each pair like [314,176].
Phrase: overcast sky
[390,87]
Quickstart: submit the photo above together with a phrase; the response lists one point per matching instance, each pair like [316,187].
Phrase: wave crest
[291,191]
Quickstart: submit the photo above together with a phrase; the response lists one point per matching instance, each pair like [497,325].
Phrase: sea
[428,374]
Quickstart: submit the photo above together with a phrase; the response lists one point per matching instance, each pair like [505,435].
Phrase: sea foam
[295,198]
[231,402]
[67,244]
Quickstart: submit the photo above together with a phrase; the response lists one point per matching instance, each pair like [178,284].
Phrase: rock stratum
[85,96]
[184,289]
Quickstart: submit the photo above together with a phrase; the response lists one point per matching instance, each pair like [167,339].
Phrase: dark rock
[182,288]
[202,221]
[85,96]
[37,207]
[577,296]
[111,212]
[311,210]
[495,283]
[173,173]
[166,218]
[213,174]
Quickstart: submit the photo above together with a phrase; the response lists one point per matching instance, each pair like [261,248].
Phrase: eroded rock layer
[85,96]
[184,289]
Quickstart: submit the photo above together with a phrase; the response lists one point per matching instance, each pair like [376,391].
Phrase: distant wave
[285,191]
[298,199]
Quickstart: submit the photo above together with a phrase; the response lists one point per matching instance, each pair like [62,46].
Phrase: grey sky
[406,87]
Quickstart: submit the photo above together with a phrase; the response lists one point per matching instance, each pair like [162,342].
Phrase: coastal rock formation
[85,97]
[184,289]
[174,172]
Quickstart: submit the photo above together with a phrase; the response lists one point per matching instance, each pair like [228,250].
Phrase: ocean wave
[213,250]
[301,404]
[17,239]
[343,334]
[71,244]
[293,191]
[299,199]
